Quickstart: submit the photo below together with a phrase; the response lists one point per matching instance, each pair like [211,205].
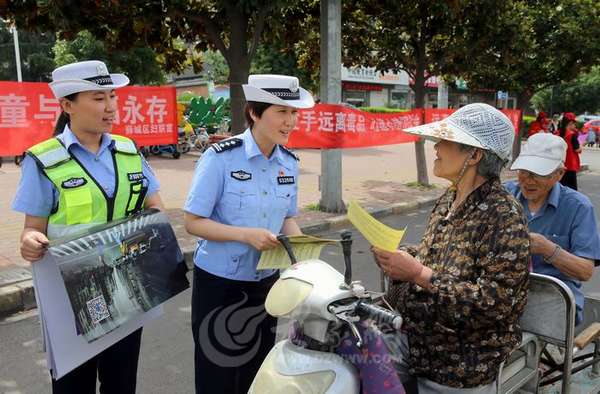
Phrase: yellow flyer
[305,247]
[377,233]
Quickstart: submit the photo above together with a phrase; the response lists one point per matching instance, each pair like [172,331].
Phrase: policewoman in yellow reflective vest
[81,177]
[243,194]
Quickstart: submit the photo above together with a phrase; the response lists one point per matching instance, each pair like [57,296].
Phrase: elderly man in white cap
[462,291]
[562,223]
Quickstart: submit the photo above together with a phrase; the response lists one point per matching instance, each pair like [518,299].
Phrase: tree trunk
[419,89]
[239,68]
[238,75]
[522,103]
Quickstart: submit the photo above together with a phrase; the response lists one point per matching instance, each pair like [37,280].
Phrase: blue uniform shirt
[567,218]
[37,196]
[241,187]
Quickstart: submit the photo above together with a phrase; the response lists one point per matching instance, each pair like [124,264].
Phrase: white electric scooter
[325,307]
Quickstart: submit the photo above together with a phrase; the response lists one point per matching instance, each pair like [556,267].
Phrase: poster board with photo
[98,286]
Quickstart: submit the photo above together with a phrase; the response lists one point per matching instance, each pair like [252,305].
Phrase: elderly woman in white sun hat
[79,178]
[243,194]
[461,292]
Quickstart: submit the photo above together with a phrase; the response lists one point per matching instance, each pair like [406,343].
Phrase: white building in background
[366,87]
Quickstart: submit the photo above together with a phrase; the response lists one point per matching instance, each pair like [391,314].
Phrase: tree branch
[258,29]
[212,31]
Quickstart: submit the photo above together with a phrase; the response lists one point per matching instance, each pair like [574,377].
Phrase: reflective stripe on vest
[82,201]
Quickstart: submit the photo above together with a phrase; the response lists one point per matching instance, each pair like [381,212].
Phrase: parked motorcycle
[335,344]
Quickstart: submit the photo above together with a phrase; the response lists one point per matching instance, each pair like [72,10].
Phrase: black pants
[115,367]
[569,179]
[232,332]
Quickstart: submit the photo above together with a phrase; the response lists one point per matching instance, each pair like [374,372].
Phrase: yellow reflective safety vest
[82,200]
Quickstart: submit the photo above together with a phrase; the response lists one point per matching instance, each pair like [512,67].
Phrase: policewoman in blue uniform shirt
[244,193]
[81,177]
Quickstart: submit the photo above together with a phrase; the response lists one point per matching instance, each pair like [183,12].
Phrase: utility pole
[17,53]
[442,94]
[330,182]
[13,29]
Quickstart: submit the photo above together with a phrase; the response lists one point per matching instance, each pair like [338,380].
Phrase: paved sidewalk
[377,177]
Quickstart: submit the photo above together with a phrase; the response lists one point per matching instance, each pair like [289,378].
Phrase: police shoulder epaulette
[289,152]
[227,144]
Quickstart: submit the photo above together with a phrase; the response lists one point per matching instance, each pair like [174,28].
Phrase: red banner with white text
[331,126]
[148,115]
[336,126]
[28,113]
[434,115]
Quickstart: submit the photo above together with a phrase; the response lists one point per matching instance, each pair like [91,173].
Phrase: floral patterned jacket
[461,329]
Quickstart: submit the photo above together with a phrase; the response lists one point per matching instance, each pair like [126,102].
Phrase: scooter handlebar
[379,314]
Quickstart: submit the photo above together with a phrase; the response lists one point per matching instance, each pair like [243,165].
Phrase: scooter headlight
[286,295]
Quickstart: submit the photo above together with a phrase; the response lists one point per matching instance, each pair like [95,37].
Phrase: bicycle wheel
[19,159]
[155,150]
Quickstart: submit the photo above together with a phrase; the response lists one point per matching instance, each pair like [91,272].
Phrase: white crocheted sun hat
[478,124]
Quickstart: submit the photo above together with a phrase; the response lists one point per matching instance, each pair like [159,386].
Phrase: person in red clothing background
[540,124]
[568,131]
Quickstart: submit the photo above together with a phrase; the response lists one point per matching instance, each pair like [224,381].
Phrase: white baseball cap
[478,124]
[541,154]
[277,89]
[83,77]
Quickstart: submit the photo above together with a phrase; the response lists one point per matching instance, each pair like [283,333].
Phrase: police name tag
[135,176]
[285,180]
[241,175]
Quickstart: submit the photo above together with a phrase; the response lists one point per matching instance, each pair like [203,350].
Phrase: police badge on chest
[241,175]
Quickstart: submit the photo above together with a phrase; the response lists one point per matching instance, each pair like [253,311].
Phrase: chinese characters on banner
[434,115]
[148,115]
[28,113]
[336,126]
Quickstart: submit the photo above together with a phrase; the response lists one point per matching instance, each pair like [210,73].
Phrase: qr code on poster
[98,309]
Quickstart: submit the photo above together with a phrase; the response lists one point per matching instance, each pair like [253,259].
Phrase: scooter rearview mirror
[347,250]
[287,246]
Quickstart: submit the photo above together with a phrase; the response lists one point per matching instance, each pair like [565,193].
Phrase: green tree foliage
[529,45]
[233,27]
[139,64]
[514,45]
[274,59]
[36,55]
[385,34]
[579,96]
[214,67]
[411,36]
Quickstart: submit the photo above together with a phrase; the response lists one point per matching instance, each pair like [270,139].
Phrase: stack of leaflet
[96,287]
